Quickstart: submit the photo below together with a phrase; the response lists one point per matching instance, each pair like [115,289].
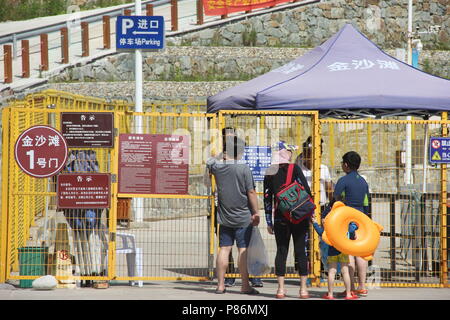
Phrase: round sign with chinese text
[41,151]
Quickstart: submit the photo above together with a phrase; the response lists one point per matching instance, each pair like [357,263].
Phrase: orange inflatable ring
[336,228]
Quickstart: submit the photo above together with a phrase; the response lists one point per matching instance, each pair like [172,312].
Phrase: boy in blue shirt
[335,257]
[353,190]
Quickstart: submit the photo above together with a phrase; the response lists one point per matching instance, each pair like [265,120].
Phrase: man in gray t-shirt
[233,180]
[237,209]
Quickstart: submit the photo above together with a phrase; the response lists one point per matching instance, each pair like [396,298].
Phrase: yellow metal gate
[163,236]
[267,128]
[169,240]
[408,198]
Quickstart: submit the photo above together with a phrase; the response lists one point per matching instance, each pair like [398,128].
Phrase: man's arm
[253,201]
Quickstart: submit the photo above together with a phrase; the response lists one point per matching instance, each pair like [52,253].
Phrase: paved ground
[196,291]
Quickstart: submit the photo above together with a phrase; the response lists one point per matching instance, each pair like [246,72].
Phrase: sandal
[343,294]
[353,297]
[304,296]
[220,291]
[251,292]
[281,295]
[327,297]
[363,292]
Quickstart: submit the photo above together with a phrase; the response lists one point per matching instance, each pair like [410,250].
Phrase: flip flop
[252,292]
[363,292]
[353,297]
[327,297]
[343,294]
[220,291]
[280,295]
[304,296]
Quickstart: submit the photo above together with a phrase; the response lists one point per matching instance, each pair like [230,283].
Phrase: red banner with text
[221,7]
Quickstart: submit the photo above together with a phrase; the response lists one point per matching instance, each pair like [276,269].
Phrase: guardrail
[124,9]
[64,39]
[10,41]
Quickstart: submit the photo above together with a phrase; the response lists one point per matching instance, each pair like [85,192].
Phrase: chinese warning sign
[83,190]
[439,150]
[258,159]
[41,151]
[153,164]
[94,129]
[220,7]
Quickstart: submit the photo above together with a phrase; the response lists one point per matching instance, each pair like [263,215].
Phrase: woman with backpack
[276,177]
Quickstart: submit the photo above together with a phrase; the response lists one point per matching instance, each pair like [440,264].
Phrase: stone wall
[212,64]
[247,48]
[385,22]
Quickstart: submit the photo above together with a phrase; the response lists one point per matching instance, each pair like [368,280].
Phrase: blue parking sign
[140,32]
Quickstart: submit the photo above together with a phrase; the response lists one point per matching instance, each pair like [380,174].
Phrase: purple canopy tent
[348,76]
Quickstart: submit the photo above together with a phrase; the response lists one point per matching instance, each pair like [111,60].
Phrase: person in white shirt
[304,161]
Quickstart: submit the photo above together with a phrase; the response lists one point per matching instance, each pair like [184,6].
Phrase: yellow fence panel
[172,231]
[266,129]
[35,223]
[405,200]
[156,236]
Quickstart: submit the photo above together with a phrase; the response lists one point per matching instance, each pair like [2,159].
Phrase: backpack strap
[289,173]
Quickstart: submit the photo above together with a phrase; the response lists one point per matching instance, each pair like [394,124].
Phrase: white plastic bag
[257,259]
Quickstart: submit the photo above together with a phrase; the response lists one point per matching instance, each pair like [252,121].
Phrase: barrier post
[200,12]
[5,196]
[7,60]
[444,197]
[64,45]
[174,14]
[84,39]
[127,12]
[149,9]
[44,52]
[317,160]
[25,58]
[106,32]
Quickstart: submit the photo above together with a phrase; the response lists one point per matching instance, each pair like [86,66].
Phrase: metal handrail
[15,36]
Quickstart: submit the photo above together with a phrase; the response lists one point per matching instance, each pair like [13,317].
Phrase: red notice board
[153,164]
[84,190]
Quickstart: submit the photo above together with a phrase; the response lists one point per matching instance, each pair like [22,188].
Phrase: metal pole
[138,75]
[139,208]
[410,23]
[408,162]
[444,221]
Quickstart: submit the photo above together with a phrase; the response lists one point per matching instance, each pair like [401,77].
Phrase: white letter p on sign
[126,24]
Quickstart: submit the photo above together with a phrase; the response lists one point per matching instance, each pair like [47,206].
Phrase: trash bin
[32,262]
